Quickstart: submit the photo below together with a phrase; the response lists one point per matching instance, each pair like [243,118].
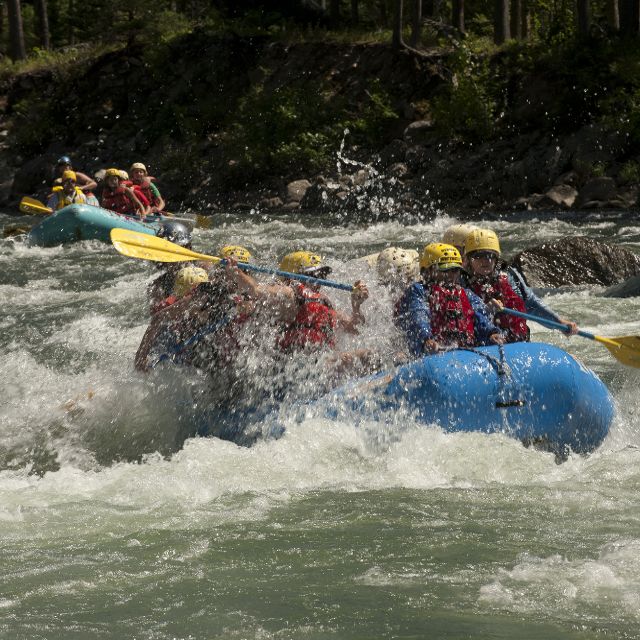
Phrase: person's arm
[52,201]
[414,319]
[138,205]
[158,204]
[533,304]
[280,299]
[85,182]
[350,324]
[486,332]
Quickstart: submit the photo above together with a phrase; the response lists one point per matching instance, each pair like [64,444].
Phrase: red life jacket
[117,200]
[144,193]
[452,316]
[314,324]
[497,287]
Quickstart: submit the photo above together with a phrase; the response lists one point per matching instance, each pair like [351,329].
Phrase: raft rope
[501,366]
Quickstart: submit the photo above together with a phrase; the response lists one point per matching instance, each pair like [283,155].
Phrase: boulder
[34,176]
[576,261]
[315,197]
[420,132]
[394,152]
[601,190]
[630,288]
[297,189]
[561,195]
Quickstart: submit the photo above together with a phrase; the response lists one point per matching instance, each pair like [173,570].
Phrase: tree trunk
[43,24]
[416,24]
[629,16]
[384,13]
[524,24]
[613,15]
[516,19]
[396,39]
[501,22]
[583,16]
[355,14]
[334,12]
[457,15]
[16,32]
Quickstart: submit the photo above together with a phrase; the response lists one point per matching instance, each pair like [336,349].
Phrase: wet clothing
[451,315]
[147,193]
[59,199]
[314,325]
[498,287]
[118,200]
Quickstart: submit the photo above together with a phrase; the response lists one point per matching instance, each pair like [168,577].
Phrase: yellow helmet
[69,175]
[187,278]
[112,172]
[457,234]
[445,256]
[236,251]
[482,240]
[301,262]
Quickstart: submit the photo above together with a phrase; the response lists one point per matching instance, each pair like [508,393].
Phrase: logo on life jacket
[452,316]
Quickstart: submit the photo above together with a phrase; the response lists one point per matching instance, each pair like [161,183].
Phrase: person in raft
[162,286]
[307,319]
[119,198]
[66,193]
[438,313]
[500,285]
[142,184]
[83,181]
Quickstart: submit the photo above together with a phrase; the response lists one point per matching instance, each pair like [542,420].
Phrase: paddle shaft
[148,247]
[552,324]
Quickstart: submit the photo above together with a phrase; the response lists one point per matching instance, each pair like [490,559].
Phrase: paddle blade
[147,247]
[33,206]
[625,349]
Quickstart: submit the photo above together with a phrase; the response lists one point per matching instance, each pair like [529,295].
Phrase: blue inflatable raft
[534,392]
[84,222]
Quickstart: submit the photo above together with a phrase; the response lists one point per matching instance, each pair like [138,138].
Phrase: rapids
[113,526]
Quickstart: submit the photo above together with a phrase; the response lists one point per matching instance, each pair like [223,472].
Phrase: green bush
[465,108]
[300,128]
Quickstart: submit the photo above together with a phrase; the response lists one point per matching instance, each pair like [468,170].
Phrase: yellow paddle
[148,247]
[625,349]
[35,207]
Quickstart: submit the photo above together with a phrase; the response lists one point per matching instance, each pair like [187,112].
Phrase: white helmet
[398,266]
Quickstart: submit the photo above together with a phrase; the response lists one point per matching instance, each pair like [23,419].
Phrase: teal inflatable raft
[534,392]
[84,222]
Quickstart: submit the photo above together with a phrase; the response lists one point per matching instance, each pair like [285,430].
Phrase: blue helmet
[64,160]
[175,232]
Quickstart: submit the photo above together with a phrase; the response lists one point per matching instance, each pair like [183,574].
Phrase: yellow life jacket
[64,199]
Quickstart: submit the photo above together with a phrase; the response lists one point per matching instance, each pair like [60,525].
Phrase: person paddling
[500,285]
[84,182]
[142,184]
[162,286]
[438,313]
[119,198]
[66,193]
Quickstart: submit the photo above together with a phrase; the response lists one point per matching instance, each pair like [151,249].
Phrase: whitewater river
[110,528]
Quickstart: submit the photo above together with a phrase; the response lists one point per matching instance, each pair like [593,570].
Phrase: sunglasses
[483,255]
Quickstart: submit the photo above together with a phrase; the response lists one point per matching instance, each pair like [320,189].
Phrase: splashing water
[116,523]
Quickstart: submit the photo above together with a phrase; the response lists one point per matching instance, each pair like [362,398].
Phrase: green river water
[110,528]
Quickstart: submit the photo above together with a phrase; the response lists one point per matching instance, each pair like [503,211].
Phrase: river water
[111,527]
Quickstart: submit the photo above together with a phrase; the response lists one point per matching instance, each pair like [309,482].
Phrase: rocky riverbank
[384,151]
